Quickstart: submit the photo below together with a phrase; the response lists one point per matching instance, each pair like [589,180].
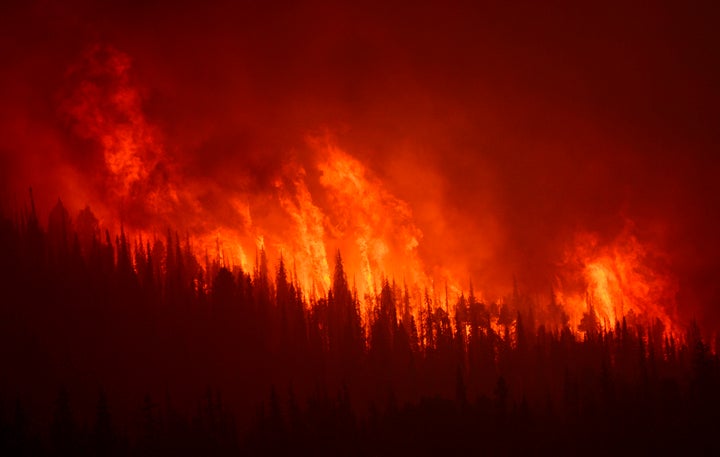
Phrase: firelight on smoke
[316,204]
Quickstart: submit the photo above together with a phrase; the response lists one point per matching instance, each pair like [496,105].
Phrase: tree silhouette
[63,427]
[143,317]
[103,436]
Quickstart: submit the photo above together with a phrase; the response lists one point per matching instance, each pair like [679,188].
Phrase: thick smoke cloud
[507,129]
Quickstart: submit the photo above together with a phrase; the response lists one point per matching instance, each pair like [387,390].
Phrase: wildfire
[105,106]
[381,225]
[616,280]
[314,207]
[308,245]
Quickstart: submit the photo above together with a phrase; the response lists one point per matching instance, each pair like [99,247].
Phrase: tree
[589,322]
[103,436]
[63,426]
[223,291]
[500,394]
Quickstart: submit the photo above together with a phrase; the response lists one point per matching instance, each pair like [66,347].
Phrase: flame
[107,107]
[314,206]
[380,224]
[308,244]
[620,279]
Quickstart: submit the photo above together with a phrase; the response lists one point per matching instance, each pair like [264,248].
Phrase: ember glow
[350,209]
[616,281]
[321,197]
[503,215]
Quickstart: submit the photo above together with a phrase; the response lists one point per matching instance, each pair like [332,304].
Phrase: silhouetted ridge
[119,345]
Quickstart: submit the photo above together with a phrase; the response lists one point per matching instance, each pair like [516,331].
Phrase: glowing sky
[507,129]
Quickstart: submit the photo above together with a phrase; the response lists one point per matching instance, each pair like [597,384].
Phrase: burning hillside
[359,225]
[315,202]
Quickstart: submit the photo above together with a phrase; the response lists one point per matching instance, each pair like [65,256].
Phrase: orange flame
[616,280]
[308,244]
[380,224]
[105,106]
[334,202]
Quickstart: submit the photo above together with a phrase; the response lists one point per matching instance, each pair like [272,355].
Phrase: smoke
[503,131]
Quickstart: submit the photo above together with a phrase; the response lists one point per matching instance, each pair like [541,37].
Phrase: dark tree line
[120,346]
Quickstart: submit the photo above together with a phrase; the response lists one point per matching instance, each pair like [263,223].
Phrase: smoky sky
[507,126]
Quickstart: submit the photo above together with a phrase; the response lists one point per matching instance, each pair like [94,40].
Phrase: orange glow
[307,246]
[107,107]
[328,200]
[253,227]
[380,224]
[616,280]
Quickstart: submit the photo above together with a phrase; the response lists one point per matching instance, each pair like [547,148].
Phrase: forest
[117,345]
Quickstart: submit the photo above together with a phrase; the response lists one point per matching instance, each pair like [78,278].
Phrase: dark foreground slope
[119,346]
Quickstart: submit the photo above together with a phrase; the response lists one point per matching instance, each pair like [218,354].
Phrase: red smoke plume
[433,145]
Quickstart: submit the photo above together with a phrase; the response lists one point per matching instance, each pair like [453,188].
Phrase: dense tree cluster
[119,346]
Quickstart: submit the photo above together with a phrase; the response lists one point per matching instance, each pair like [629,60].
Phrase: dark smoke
[507,128]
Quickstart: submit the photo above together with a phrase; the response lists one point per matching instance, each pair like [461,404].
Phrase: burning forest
[329,229]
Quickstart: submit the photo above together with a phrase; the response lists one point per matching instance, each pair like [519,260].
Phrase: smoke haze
[505,129]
